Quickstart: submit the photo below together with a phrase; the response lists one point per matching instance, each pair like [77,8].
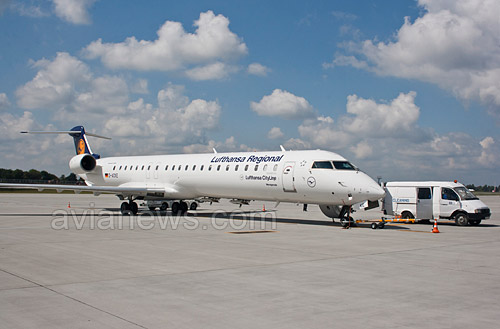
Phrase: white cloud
[275,133]
[66,85]
[28,10]
[214,71]
[455,45]
[258,69]
[73,11]
[176,121]
[283,104]
[140,87]
[211,44]
[4,101]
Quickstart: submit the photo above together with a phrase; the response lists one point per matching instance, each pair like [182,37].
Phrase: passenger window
[246,168]
[201,168]
[136,167]
[157,167]
[114,167]
[166,167]
[173,167]
[142,167]
[275,167]
[186,168]
[131,167]
[236,167]
[227,168]
[120,168]
[125,168]
[256,167]
[210,168]
[448,194]
[179,168]
[218,167]
[424,193]
[322,165]
[265,167]
[194,167]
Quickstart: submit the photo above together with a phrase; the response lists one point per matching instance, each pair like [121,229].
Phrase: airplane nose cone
[376,192]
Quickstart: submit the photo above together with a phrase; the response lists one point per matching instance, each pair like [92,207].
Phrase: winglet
[282,148]
[215,151]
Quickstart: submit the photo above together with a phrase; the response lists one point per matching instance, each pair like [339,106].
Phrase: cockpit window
[465,194]
[343,165]
[322,165]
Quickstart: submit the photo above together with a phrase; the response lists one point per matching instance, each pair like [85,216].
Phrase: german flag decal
[106,175]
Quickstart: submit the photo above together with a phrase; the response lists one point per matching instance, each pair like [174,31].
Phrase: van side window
[424,193]
[448,194]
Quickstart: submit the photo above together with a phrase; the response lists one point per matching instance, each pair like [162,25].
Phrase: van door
[288,178]
[449,202]
[424,203]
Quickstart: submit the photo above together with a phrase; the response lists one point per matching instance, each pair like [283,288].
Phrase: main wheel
[125,208]
[175,208]
[461,219]
[134,208]
[164,206]
[184,207]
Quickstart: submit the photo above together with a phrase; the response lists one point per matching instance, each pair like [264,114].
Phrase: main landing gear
[129,208]
[179,208]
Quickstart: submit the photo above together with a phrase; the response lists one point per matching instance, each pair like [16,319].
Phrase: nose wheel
[129,208]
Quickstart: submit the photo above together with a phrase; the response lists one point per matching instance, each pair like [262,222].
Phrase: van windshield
[465,194]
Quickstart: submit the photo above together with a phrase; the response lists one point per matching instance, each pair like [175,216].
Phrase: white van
[430,200]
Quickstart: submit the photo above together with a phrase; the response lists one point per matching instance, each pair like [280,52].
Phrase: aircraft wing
[125,190]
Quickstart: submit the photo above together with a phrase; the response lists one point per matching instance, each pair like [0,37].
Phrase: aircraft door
[424,203]
[155,172]
[288,177]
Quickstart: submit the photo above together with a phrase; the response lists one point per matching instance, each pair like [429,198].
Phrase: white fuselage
[275,176]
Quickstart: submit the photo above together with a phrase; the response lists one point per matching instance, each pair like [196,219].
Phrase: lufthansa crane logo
[311,182]
[81,147]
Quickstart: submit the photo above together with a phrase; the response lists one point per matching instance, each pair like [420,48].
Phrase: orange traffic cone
[69,205]
[435,229]
[263,207]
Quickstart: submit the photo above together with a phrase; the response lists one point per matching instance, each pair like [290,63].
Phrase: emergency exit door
[288,177]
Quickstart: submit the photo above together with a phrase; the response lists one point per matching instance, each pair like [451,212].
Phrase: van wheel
[461,219]
[475,222]
[407,215]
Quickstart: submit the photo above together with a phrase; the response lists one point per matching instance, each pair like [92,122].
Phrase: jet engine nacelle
[82,164]
[330,210]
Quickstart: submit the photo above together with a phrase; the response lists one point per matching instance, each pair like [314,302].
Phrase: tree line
[484,188]
[35,175]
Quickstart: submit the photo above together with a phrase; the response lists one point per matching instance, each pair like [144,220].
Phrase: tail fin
[82,146]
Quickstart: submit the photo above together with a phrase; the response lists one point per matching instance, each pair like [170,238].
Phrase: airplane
[309,177]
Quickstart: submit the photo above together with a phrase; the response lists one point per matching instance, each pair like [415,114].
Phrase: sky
[404,89]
